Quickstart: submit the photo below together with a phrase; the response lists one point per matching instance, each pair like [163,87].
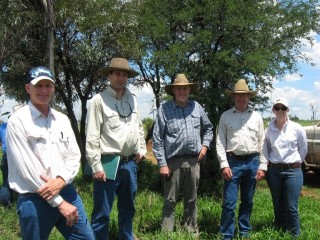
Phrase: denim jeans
[285,187]
[244,172]
[185,178]
[125,187]
[37,217]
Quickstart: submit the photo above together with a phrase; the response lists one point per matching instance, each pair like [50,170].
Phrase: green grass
[148,216]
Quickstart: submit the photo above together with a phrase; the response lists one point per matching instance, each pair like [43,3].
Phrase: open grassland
[148,215]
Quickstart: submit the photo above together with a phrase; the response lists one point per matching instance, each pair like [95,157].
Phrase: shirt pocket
[62,142]
[111,122]
[38,145]
[195,120]
[173,126]
[253,133]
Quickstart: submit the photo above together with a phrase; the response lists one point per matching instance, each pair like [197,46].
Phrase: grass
[148,215]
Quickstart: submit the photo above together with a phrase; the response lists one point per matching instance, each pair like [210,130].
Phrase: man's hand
[138,158]
[260,175]
[202,153]
[165,171]
[226,173]
[70,213]
[100,176]
[51,187]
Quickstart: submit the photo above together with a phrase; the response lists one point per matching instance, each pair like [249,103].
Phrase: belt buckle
[124,158]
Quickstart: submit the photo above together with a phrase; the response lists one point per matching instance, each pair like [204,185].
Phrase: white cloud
[299,101]
[293,77]
[317,85]
[313,51]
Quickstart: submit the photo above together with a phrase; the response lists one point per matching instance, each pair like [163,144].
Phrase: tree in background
[213,42]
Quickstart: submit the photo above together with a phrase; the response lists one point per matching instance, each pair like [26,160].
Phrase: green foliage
[147,125]
[149,210]
[149,177]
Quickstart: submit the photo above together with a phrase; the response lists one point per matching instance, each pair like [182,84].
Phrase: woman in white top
[286,146]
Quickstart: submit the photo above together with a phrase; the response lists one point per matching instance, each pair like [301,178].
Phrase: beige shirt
[241,133]
[113,127]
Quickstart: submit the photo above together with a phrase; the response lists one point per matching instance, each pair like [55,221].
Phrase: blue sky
[301,89]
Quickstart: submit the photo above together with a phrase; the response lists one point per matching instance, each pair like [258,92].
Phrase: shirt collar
[273,122]
[113,93]
[177,106]
[36,113]
[249,110]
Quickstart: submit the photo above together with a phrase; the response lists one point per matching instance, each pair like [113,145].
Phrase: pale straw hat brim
[118,64]
[181,80]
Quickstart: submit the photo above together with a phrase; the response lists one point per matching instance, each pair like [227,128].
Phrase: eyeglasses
[276,108]
[122,115]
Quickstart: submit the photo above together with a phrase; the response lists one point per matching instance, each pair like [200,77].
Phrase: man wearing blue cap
[43,159]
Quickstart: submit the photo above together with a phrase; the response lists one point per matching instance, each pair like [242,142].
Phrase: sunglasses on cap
[277,108]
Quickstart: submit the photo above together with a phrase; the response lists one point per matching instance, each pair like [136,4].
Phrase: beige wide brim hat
[241,87]
[120,64]
[181,80]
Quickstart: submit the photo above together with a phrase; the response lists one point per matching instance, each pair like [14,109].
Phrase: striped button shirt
[180,131]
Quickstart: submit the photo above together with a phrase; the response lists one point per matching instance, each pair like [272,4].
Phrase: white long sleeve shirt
[288,145]
[241,133]
[108,132]
[40,145]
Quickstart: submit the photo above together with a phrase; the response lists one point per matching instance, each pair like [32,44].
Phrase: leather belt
[241,157]
[184,156]
[127,158]
[284,166]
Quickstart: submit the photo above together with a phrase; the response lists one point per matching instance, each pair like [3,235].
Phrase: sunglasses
[276,108]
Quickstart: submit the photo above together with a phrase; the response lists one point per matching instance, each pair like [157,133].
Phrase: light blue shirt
[180,131]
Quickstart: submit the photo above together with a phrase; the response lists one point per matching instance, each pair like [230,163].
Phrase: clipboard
[110,164]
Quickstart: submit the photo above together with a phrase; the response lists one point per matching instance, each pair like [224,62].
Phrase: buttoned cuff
[55,201]
[224,164]
[263,166]
[97,168]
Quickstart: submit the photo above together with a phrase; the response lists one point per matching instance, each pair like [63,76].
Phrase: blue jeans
[125,187]
[244,172]
[37,217]
[285,187]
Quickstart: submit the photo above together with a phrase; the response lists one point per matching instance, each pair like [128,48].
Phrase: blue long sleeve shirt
[3,128]
[180,131]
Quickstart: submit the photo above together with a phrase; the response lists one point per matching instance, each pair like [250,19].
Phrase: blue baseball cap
[39,73]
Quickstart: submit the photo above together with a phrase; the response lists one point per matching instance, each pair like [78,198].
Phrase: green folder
[110,165]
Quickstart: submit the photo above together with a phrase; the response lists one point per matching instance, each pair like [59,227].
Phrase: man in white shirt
[239,148]
[115,130]
[43,159]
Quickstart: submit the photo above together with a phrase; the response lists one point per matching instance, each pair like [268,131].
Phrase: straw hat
[241,87]
[181,80]
[118,64]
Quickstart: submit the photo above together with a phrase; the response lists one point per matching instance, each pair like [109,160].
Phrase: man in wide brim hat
[181,80]
[241,87]
[119,64]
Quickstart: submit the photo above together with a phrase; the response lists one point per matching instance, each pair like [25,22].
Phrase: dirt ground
[150,155]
